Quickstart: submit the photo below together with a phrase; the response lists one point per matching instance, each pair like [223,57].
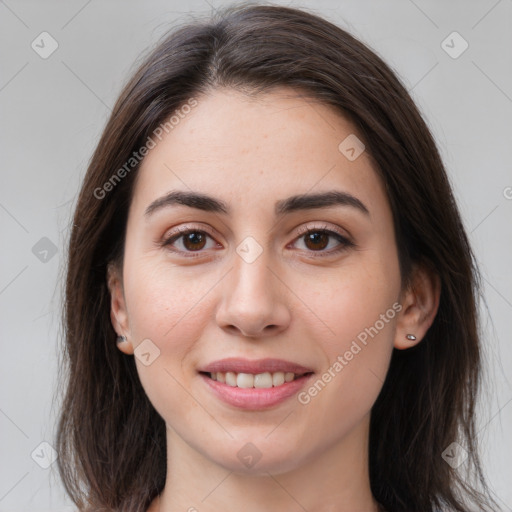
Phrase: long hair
[111,441]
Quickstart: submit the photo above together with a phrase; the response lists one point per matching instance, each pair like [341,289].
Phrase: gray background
[52,113]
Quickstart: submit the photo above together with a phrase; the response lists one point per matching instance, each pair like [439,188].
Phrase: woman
[270,297]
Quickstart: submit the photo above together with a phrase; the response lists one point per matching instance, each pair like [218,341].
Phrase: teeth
[230,378]
[278,378]
[245,380]
[263,380]
[248,380]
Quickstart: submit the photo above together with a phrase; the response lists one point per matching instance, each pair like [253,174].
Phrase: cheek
[359,298]
[164,302]
[166,306]
[359,311]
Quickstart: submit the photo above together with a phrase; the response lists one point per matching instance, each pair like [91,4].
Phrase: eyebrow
[284,206]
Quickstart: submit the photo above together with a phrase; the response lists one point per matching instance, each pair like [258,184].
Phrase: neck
[335,479]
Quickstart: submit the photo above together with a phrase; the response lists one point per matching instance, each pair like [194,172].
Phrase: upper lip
[240,365]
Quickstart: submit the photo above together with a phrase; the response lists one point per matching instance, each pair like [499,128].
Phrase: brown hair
[111,441]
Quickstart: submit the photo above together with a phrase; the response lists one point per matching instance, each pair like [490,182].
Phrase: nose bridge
[252,300]
[252,283]
[251,273]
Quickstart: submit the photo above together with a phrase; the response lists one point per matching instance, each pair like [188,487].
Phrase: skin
[290,303]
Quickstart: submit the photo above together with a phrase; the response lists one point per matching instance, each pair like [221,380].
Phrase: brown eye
[323,242]
[194,241]
[316,240]
[189,241]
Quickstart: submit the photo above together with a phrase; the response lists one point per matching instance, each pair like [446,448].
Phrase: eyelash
[344,242]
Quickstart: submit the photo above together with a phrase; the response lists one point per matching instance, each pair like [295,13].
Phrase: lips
[239,365]
[256,384]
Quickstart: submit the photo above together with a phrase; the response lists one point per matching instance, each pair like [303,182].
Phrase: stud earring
[411,337]
[121,339]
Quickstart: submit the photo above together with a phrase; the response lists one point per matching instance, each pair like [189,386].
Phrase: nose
[254,300]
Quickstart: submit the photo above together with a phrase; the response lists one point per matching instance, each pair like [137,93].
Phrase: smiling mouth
[263,380]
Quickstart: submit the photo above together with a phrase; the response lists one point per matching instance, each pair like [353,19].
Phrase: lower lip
[255,398]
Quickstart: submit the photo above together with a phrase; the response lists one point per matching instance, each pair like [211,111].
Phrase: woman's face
[274,280]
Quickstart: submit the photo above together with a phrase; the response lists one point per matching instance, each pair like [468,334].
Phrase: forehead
[256,150]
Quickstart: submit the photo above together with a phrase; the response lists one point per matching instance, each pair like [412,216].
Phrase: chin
[258,456]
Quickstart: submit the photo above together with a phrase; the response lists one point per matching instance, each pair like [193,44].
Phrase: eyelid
[324,227]
[180,230]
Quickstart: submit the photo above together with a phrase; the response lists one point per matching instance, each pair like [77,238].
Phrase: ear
[420,303]
[118,311]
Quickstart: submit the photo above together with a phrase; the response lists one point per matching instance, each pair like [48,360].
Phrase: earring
[121,339]
[411,337]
